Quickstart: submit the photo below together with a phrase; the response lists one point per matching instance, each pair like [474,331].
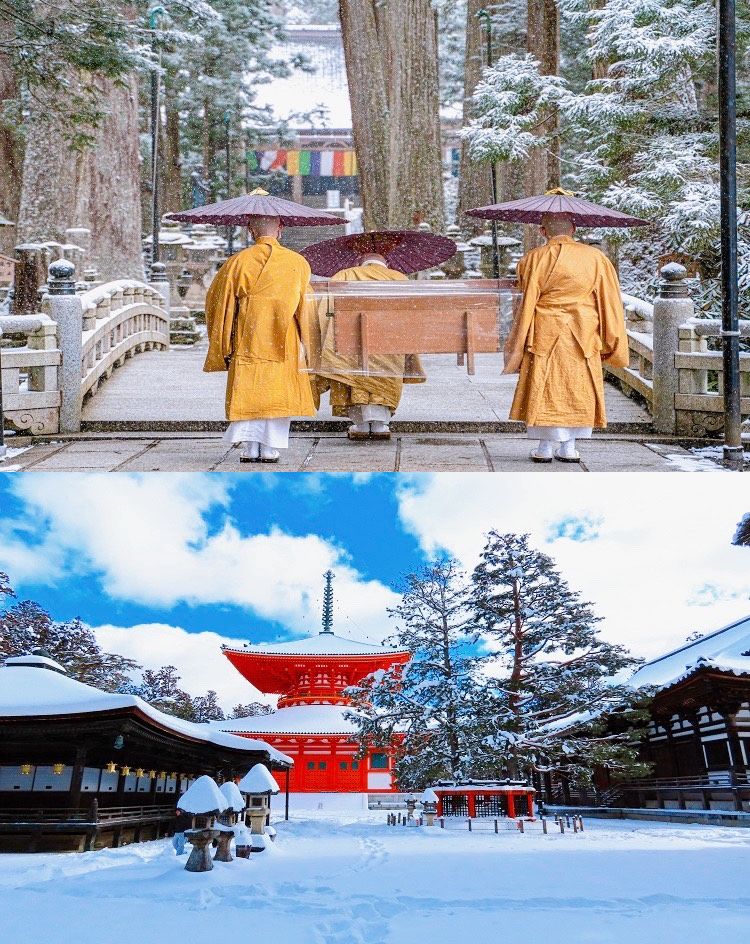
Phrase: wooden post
[580,823]
[562,826]
[470,342]
[544,826]
[286,795]
[575,824]
[442,823]
[496,826]
[364,338]
[469,824]
[520,825]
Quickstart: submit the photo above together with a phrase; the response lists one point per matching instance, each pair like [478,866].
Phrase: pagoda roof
[322,644]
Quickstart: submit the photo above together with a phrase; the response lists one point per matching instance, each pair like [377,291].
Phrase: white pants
[273,433]
[369,413]
[559,433]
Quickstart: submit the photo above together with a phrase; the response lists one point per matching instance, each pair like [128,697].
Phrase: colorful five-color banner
[305,163]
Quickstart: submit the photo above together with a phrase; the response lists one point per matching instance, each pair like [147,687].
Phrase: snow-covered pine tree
[25,627]
[552,676]
[428,707]
[640,136]
[250,709]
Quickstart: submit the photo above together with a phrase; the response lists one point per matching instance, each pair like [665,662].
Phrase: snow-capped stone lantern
[204,801]
[235,806]
[429,805]
[258,785]
[411,805]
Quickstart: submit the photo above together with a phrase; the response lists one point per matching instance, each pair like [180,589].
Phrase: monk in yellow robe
[256,319]
[369,401]
[569,321]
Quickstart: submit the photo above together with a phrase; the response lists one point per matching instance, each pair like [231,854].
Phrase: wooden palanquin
[465,317]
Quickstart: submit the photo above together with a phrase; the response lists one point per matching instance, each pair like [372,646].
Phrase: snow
[296,719]
[726,649]
[320,644]
[429,796]
[258,780]
[330,880]
[231,793]
[702,459]
[202,797]
[28,689]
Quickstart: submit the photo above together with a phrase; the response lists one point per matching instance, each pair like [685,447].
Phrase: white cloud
[660,541]
[196,656]
[149,539]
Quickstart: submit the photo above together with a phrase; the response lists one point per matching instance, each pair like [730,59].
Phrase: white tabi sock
[250,450]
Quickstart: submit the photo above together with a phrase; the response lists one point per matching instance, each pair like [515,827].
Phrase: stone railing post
[66,309]
[158,281]
[673,307]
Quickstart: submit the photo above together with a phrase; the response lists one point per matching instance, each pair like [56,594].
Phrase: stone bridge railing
[76,341]
[676,362]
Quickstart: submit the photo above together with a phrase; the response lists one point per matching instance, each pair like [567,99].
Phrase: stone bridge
[53,381]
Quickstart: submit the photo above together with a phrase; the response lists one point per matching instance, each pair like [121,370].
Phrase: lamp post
[153,19]
[228,168]
[730,329]
[486,18]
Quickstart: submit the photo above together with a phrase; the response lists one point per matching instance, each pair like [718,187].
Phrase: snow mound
[258,780]
[203,797]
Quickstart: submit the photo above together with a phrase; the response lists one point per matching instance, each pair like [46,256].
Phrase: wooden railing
[91,817]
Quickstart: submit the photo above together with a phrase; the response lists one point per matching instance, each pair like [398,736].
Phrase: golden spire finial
[558,192]
[259,192]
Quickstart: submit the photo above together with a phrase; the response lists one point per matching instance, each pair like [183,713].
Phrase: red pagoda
[310,676]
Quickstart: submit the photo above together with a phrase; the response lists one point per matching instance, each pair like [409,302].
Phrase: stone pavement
[168,389]
[332,452]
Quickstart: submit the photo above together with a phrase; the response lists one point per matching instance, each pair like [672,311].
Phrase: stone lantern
[455,267]
[429,805]
[411,805]
[204,802]
[228,819]
[486,248]
[258,785]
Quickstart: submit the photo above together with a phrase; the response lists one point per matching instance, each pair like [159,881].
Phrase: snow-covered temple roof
[296,719]
[725,650]
[32,687]
[326,87]
[319,645]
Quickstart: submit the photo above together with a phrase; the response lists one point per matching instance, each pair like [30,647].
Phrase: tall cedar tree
[550,672]
[432,700]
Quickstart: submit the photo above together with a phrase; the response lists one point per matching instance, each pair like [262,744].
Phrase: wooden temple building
[310,724]
[81,768]
[698,737]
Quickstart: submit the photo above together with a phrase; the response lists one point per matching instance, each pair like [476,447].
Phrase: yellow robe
[256,317]
[384,385]
[570,320]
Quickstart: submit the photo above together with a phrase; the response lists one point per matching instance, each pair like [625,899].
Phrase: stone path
[168,389]
[331,452]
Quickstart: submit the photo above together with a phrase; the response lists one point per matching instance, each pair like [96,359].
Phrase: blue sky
[166,568]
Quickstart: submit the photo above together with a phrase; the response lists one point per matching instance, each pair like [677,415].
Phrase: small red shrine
[495,798]
[310,675]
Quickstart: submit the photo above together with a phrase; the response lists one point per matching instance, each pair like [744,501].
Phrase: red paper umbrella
[405,251]
[532,209]
[239,210]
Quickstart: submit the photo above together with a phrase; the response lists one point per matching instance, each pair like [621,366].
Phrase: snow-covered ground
[353,880]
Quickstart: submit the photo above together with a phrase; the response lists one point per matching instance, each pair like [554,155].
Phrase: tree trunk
[53,175]
[111,199]
[98,187]
[11,158]
[390,49]
[366,76]
[171,195]
[475,182]
[543,42]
